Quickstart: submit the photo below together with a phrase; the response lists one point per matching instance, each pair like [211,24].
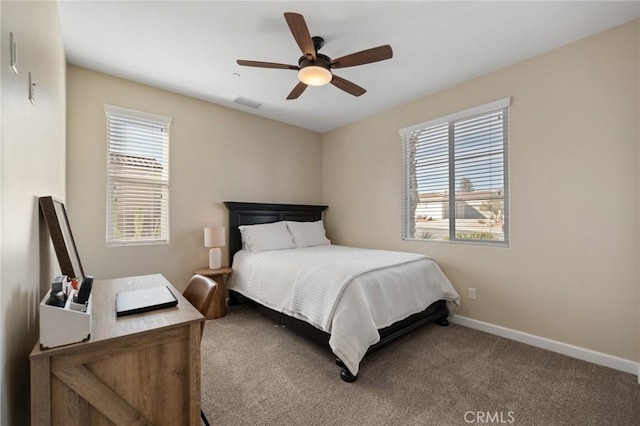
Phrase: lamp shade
[314,75]
[214,237]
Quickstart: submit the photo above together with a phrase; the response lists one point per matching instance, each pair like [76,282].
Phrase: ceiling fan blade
[297,91]
[266,65]
[374,54]
[300,32]
[347,86]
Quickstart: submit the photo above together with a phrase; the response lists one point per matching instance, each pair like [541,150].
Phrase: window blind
[455,176]
[137,177]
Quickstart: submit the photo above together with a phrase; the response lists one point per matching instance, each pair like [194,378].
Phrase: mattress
[345,291]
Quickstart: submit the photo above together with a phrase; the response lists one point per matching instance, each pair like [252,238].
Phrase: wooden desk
[138,369]
[218,307]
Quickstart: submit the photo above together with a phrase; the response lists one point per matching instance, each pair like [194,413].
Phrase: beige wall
[216,154]
[571,272]
[32,164]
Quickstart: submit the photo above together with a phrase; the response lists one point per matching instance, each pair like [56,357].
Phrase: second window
[455,177]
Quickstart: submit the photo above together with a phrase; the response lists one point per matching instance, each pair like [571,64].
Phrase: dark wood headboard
[256,213]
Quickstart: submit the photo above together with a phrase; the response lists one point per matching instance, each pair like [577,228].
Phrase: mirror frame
[55,216]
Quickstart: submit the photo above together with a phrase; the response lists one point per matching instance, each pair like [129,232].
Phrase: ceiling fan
[314,69]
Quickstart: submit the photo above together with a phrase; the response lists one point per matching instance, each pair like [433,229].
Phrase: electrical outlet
[472,293]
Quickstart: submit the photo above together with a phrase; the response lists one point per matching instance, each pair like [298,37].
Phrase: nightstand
[218,307]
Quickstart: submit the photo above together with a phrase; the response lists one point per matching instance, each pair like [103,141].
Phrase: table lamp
[214,238]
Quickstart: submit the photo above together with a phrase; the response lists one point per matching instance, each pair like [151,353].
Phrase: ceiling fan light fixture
[314,75]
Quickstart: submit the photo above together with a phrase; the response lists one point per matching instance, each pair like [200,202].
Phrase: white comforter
[348,292]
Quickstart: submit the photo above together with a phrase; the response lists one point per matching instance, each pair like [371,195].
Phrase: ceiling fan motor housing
[321,61]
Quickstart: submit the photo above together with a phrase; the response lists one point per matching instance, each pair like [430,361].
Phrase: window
[455,177]
[137,177]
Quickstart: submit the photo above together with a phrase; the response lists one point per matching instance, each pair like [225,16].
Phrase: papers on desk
[144,300]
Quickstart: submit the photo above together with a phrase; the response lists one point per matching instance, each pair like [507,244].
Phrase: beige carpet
[255,372]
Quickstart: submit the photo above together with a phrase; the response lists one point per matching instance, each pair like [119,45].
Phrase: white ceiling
[191,47]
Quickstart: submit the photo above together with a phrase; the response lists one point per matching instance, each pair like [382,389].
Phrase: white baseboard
[584,354]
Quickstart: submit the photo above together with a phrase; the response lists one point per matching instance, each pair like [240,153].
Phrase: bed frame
[257,213]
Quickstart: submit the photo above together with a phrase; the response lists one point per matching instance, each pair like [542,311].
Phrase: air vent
[247,102]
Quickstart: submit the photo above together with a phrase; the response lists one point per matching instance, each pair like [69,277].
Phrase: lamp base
[215,258]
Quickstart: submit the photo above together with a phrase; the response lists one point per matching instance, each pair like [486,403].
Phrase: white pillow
[308,234]
[268,236]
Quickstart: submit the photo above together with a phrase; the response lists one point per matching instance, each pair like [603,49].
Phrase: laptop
[144,300]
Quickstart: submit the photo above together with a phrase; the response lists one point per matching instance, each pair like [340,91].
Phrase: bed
[371,298]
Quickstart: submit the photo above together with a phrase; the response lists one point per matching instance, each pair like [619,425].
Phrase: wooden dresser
[138,369]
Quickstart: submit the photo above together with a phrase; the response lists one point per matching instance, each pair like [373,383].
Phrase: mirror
[55,216]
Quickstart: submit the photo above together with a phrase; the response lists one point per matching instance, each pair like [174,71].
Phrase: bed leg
[442,322]
[345,374]
[233,299]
